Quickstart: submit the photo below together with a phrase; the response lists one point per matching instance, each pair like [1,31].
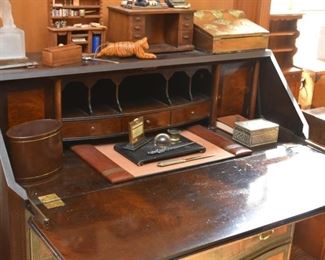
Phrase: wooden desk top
[163,60]
[177,213]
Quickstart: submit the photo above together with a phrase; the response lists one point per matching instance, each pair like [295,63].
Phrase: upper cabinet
[76,21]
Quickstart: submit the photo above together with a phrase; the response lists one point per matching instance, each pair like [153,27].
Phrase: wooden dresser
[170,215]
[175,27]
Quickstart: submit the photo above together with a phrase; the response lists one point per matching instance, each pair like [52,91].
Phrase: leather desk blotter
[116,168]
[140,156]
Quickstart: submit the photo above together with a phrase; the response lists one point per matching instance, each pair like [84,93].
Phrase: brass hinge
[51,201]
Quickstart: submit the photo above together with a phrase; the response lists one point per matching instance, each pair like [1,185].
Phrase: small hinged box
[256,132]
[222,31]
[61,55]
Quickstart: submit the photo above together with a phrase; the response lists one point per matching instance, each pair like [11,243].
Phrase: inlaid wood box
[221,31]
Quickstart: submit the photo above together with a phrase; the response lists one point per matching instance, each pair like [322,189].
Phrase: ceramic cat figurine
[127,49]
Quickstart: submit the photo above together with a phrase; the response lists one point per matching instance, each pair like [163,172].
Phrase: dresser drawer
[138,31]
[90,128]
[253,247]
[137,27]
[190,113]
[278,253]
[151,121]
[138,19]
[186,37]
[186,22]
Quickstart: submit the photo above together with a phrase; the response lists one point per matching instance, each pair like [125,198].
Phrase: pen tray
[140,156]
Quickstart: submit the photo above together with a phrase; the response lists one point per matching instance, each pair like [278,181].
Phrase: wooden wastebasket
[35,149]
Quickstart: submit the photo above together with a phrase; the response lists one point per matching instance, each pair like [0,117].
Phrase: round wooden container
[35,149]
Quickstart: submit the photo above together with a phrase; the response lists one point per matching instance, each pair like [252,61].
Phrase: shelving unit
[76,21]
[282,41]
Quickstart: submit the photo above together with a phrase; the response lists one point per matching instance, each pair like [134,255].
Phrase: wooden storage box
[61,55]
[256,132]
[220,31]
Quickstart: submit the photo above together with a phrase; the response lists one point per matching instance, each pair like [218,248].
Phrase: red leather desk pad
[116,168]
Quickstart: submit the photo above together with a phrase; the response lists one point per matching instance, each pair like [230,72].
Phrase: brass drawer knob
[266,235]
[192,112]
[148,122]
[92,128]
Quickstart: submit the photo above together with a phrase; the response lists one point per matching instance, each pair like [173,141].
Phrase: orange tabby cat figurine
[127,49]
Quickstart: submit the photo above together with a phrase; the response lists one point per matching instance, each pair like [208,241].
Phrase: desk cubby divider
[201,83]
[75,100]
[104,97]
[143,92]
[179,88]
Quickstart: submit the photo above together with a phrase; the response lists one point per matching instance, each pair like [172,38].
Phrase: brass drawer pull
[186,37]
[137,27]
[148,122]
[192,112]
[266,235]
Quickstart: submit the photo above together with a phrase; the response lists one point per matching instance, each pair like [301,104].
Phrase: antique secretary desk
[241,207]
[177,213]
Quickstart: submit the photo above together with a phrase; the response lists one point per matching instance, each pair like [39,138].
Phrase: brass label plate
[136,130]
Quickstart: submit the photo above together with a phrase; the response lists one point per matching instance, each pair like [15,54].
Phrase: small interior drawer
[90,128]
[186,37]
[191,112]
[151,121]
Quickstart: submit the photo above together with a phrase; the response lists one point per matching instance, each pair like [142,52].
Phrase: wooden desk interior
[177,213]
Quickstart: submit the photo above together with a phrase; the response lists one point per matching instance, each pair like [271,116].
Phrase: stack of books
[227,123]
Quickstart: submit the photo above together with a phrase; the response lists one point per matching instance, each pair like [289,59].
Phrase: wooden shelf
[63,17]
[76,17]
[280,34]
[77,7]
[284,50]
[75,29]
